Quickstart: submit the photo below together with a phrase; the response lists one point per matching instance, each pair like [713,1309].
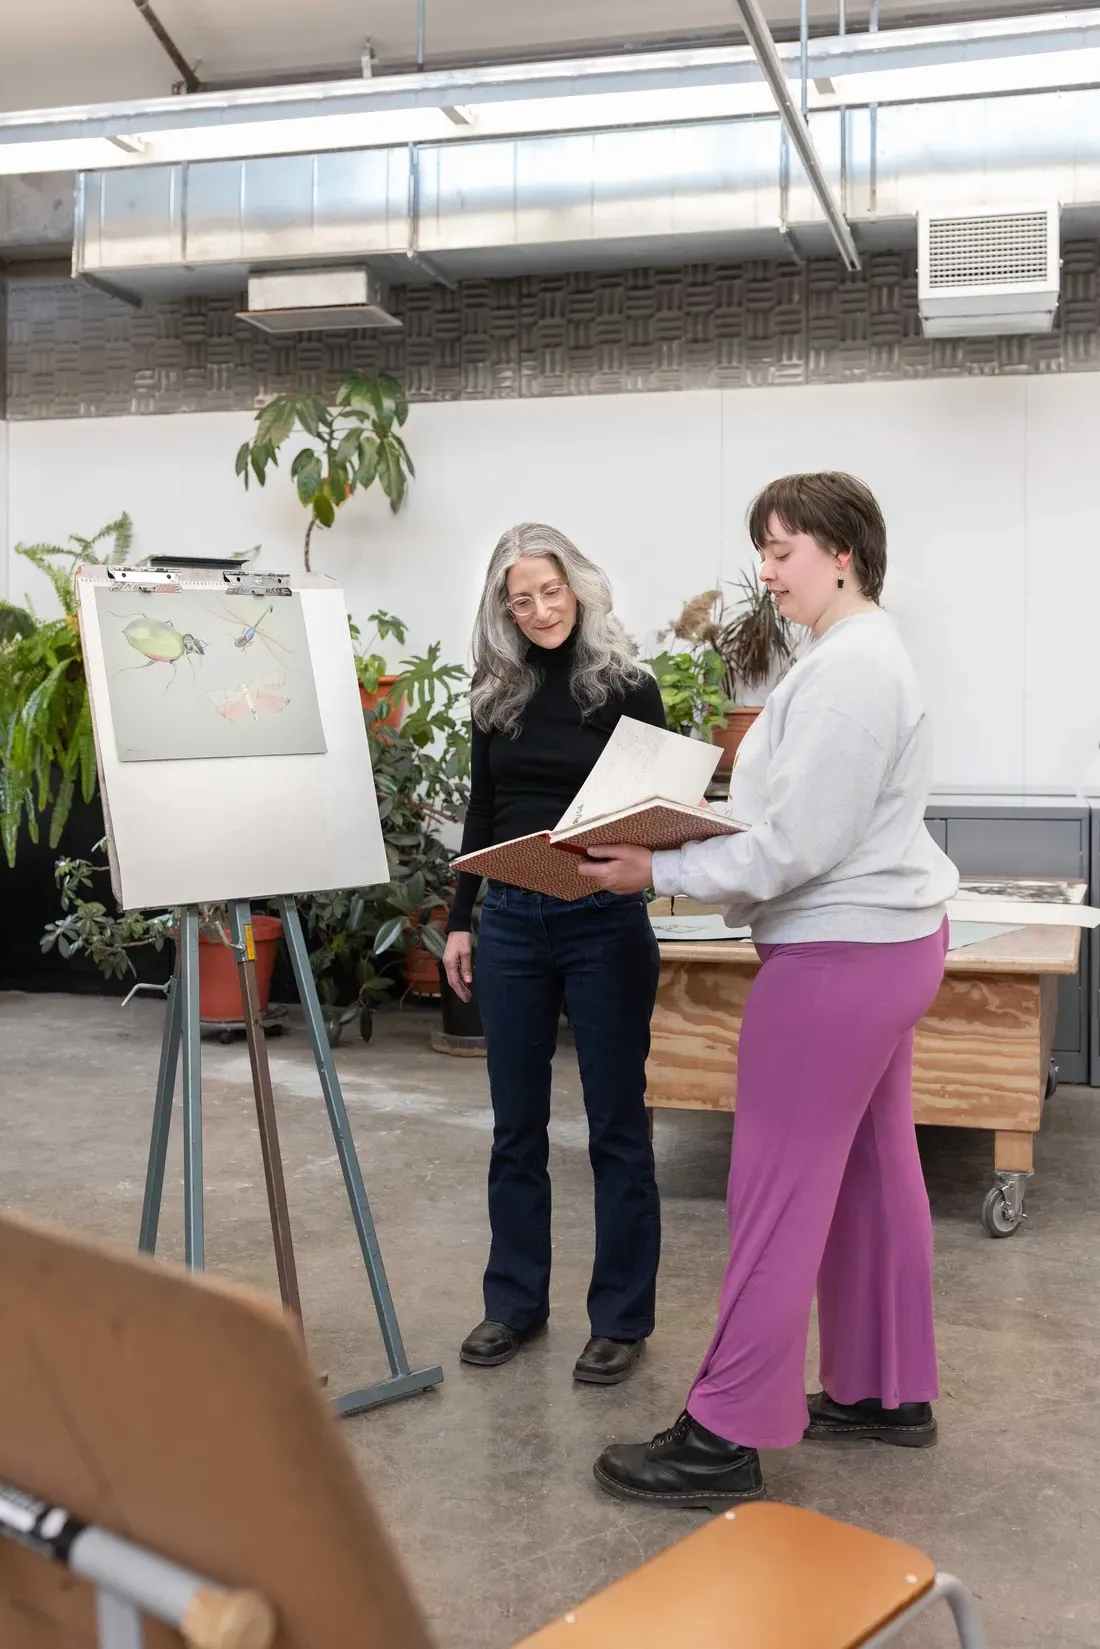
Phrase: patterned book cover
[542,865]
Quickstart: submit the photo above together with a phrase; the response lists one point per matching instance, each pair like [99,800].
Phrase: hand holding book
[635,802]
[621,869]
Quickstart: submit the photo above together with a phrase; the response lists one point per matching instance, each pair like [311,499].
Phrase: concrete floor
[486,1483]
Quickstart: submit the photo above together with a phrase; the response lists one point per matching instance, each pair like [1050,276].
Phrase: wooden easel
[180,1413]
[182,1034]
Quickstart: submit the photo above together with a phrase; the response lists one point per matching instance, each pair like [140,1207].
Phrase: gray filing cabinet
[1092,941]
[989,833]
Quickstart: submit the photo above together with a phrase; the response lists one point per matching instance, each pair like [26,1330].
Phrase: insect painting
[239,666]
[256,698]
[159,642]
[258,630]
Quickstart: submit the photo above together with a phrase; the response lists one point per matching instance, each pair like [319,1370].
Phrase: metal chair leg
[968,1622]
[959,1600]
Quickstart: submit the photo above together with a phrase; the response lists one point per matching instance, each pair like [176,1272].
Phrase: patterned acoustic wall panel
[72,352]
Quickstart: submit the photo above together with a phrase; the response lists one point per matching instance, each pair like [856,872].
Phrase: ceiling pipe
[798,127]
[190,79]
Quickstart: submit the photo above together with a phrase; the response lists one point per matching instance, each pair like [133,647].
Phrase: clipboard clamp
[257,584]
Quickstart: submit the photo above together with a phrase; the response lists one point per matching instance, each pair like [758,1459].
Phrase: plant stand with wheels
[182,1035]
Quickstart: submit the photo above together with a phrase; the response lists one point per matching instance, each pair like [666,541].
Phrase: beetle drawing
[159,642]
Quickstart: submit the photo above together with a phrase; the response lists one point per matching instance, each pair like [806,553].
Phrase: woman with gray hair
[553,672]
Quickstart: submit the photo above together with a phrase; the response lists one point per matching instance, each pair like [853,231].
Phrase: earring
[840,583]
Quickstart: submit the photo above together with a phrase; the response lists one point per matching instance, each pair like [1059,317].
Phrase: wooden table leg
[1013,1153]
[1003,1208]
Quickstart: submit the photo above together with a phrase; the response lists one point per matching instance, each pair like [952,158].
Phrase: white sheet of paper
[640,762]
[973,933]
[699,928]
[1020,913]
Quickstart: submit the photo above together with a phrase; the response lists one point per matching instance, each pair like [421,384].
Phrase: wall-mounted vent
[317,300]
[988,271]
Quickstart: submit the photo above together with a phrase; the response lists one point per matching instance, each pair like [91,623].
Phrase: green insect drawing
[159,642]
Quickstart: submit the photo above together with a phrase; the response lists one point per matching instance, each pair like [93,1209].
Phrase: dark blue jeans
[599,956]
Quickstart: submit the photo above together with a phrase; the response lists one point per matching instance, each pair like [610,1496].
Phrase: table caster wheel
[1052,1081]
[998,1215]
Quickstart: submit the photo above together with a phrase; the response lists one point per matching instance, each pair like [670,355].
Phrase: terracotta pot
[421,967]
[219,983]
[729,737]
[395,714]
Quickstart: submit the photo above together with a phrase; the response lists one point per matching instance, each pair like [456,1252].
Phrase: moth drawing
[255,698]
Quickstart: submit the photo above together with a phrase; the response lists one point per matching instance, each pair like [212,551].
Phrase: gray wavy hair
[604,665]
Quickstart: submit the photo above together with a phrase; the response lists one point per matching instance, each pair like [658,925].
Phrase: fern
[47,750]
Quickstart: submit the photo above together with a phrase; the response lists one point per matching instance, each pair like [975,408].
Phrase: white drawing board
[203,829]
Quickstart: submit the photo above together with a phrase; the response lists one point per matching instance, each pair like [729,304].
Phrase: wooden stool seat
[765,1577]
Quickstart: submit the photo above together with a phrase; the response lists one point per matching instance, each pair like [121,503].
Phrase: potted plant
[47,751]
[366,941]
[422,780]
[86,927]
[692,690]
[375,685]
[752,642]
[349,446]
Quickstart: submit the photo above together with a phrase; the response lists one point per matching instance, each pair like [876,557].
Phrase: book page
[638,763]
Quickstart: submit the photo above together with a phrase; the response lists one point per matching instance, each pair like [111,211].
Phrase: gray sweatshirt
[832,781]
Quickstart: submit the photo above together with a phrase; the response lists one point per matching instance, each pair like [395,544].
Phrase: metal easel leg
[119,1623]
[193,1245]
[162,1118]
[403,1382]
[240,923]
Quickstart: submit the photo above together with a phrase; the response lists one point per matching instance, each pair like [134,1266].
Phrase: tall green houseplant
[47,747]
[350,446]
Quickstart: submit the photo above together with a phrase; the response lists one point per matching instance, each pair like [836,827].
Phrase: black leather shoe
[606,1362]
[490,1344]
[912,1426]
[687,1466]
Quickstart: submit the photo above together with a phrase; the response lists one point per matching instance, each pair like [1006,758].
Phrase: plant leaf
[388,934]
[308,478]
[323,508]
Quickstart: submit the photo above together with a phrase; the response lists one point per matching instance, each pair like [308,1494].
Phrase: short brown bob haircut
[836,509]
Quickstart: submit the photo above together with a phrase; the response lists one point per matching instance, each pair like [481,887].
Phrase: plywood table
[982,1057]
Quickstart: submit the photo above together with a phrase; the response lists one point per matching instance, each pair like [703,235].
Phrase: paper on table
[967,907]
[639,762]
[699,928]
[974,933]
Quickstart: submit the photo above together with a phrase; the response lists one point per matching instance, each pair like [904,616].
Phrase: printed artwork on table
[194,673]
[1039,892]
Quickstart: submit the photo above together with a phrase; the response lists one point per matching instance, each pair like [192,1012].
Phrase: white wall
[987,485]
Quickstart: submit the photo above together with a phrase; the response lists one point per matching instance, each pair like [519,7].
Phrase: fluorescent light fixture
[1038,72]
[1023,55]
[78,154]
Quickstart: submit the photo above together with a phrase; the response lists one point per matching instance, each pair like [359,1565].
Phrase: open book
[643,792]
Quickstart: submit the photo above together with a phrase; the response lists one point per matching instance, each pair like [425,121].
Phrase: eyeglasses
[524,605]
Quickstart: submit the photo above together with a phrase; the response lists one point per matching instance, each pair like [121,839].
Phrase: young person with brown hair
[844,891]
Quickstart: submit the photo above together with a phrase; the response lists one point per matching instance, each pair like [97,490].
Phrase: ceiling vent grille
[988,271]
[317,300]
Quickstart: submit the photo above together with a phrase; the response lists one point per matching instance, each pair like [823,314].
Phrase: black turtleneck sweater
[520,783]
